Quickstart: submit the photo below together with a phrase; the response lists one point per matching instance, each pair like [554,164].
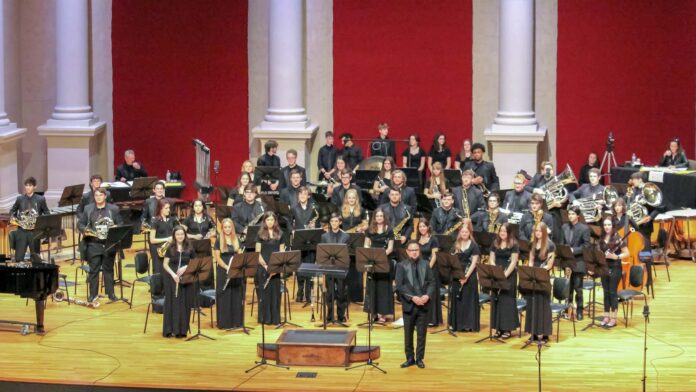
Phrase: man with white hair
[129,169]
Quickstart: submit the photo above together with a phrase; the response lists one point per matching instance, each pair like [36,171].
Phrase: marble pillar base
[299,138]
[513,151]
[10,136]
[74,154]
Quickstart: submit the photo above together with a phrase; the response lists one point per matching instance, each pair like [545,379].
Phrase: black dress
[383,297]
[538,320]
[229,300]
[467,312]
[354,279]
[177,308]
[435,304]
[163,229]
[269,297]
[202,227]
[440,156]
[507,318]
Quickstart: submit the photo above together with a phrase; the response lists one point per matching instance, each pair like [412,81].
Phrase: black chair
[156,296]
[590,285]
[142,272]
[626,297]
[659,254]
[521,309]
[207,300]
[561,294]
[484,298]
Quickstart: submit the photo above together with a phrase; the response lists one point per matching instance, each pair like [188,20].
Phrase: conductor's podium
[309,347]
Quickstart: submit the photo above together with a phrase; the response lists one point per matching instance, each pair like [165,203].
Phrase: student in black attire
[535,214]
[336,289]
[517,199]
[162,227]
[485,171]
[304,215]
[408,195]
[577,237]
[229,296]
[351,153]
[439,152]
[177,302]
[237,193]
[269,159]
[505,253]
[446,216]
[339,191]
[326,160]
[29,205]
[414,156]
[198,224]
[541,255]
[95,182]
[269,240]
[129,170]
[397,212]
[429,246]
[379,300]
[592,163]
[150,204]
[464,155]
[285,172]
[614,249]
[466,291]
[469,193]
[289,193]
[247,210]
[383,146]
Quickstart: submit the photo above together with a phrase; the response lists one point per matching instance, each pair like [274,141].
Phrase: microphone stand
[646,316]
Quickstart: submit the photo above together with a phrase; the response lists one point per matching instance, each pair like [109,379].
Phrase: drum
[664,222]
[684,231]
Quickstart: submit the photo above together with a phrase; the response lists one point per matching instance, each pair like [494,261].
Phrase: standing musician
[645,225]
[247,211]
[517,199]
[94,224]
[237,193]
[198,224]
[416,286]
[491,219]
[286,172]
[593,189]
[129,170]
[614,249]
[505,252]
[95,182]
[464,155]
[384,178]
[408,195]
[577,237]
[439,152]
[436,185]
[339,192]
[354,219]
[674,156]
[269,240]
[270,159]
[326,160]
[304,215]
[485,171]
[532,218]
[466,292]
[289,193]
[429,246]
[414,155]
[542,254]
[177,296]
[621,220]
[382,145]
[398,216]
[351,153]
[24,211]
[340,288]
[150,205]
[467,197]
[380,297]
[229,296]
[446,216]
[161,231]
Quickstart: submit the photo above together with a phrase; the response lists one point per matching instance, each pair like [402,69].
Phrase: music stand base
[199,335]
[243,328]
[448,330]
[284,323]
[263,362]
[370,364]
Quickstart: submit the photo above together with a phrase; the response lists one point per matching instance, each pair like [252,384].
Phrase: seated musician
[645,224]
[467,197]
[198,224]
[237,193]
[384,178]
[336,289]
[304,215]
[269,159]
[485,171]
[94,224]
[408,195]
[577,236]
[436,185]
[129,170]
[537,183]
[24,211]
[247,211]
[398,216]
[517,199]
[532,217]
[351,153]
[335,178]
[491,219]
[674,157]
[591,190]
[88,197]
[446,216]
[339,192]
[592,163]
[285,172]
[150,205]
[289,193]
[382,145]
[326,160]
[353,216]
[248,167]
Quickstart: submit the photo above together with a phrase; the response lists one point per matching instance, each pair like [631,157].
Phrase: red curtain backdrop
[404,62]
[627,66]
[179,73]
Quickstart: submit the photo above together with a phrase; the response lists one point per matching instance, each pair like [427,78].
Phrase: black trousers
[416,319]
[576,285]
[98,260]
[304,283]
[338,298]
[24,238]
[610,284]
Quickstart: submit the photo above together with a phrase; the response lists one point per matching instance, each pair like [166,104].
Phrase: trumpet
[162,250]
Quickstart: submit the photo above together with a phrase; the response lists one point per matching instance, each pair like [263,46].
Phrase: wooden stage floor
[107,347]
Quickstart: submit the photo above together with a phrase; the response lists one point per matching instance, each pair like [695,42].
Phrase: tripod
[535,281]
[279,263]
[263,361]
[369,334]
[609,158]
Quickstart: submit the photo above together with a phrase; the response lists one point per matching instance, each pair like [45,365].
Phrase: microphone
[216,167]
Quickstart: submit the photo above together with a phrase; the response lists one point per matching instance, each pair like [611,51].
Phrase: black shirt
[285,175]
[352,155]
[413,160]
[678,160]
[487,171]
[24,203]
[383,147]
[128,172]
[268,160]
[87,199]
[326,159]
[440,156]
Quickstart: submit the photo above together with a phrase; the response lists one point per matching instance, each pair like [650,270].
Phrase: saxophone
[537,217]
[493,224]
[313,221]
[253,222]
[400,226]
[465,203]
[362,225]
[59,296]
[456,226]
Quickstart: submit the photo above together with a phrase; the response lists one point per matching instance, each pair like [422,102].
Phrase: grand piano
[27,280]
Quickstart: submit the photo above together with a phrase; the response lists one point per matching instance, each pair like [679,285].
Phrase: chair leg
[574,333]
[67,291]
[558,327]
[212,316]
[147,316]
[669,279]
[253,299]
[132,291]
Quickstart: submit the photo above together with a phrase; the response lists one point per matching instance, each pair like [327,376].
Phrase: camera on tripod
[610,142]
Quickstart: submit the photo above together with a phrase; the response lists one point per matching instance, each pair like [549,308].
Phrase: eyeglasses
[413,250]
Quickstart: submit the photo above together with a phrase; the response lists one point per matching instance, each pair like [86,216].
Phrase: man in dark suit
[383,146]
[129,170]
[474,197]
[445,216]
[408,195]
[397,212]
[485,171]
[26,209]
[88,197]
[336,289]
[286,171]
[517,199]
[150,204]
[416,285]
[339,192]
[577,236]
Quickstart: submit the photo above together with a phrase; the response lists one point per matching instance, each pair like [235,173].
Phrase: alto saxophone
[465,203]
[59,296]
[493,225]
[313,221]
[253,222]
[400,226]
[456,226]
[362,225]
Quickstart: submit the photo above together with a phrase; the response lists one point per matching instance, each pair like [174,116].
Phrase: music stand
[119,238]
[492,278]
[365,178]
[283,263]
[306,240]
[197,271]
[142,187]
[325,209]
[46,226]
[224,192]
[356,241]
[251,234]
[242,266]
[515,230]
[72,195]
[424,203]
[367,201]
[564,254]
[413,178]
[597,264]
[334,255]
[446,242]
[534,280]
[524,247]
[450,269]
[266,174]
[453,177]
[371,260]
[484,240]
[222,211]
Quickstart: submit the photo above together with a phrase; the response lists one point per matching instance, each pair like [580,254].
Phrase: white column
[73,133]
[515,134]
[286,119]
[9,134]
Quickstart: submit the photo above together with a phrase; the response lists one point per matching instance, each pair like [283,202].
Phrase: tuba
[554,190]
[650,195]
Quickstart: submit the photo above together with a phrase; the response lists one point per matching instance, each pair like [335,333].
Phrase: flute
[176,290]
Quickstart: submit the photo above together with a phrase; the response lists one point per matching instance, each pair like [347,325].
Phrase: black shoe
[408,363]
[579,316]
[299,299]
[420,364]
[341,319]
[113,298]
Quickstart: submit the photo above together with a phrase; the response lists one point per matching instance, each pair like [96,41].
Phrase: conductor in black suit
[416,285]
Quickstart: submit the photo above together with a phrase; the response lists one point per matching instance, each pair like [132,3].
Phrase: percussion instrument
[662,222]
[684,232]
